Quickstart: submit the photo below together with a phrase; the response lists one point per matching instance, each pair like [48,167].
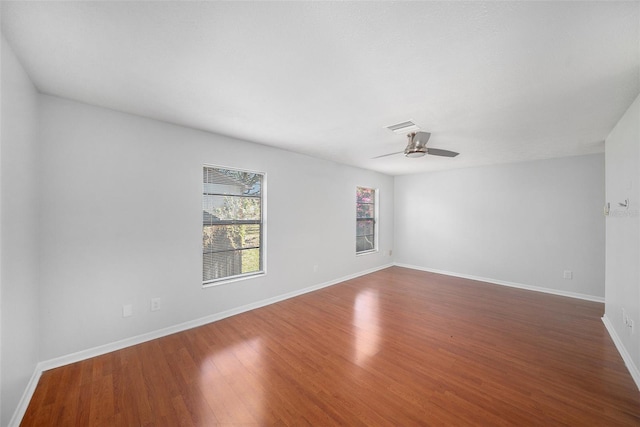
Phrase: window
[365,220]
[232,224]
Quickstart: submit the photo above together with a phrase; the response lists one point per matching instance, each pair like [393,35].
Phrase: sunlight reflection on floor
[366,324]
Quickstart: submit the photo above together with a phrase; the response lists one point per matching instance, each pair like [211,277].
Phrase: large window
[365,220]
[232,224]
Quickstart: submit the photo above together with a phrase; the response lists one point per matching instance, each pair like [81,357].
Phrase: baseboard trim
[505,283]
[139,339]
[628,361]
[26,398]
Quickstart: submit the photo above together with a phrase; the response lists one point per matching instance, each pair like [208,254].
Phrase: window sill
[372,251]
[219,282]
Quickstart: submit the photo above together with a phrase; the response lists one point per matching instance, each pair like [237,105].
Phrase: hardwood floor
[398,347]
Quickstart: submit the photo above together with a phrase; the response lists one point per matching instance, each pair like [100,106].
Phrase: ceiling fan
[417,147]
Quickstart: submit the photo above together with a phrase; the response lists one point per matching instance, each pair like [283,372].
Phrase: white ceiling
[497,82]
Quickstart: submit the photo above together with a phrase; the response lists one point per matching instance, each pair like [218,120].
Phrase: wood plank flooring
[394,348]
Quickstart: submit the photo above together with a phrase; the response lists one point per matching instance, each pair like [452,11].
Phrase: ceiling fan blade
[439,152]
[390,154]
[422,136]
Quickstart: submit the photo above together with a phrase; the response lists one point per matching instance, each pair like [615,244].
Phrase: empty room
[319,213]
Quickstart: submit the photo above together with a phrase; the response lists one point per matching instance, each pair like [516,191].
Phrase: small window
[365,220]
[232,224]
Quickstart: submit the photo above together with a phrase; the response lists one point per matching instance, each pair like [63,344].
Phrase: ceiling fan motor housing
[417,146]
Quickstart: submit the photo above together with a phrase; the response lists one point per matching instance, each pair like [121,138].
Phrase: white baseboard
[25,399]
[628,361]
[505,283]
[139,339]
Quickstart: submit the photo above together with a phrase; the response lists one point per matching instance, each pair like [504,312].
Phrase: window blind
[232,224]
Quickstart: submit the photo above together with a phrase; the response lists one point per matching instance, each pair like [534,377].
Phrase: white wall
[522,224]
[623,235]
[19,227]
[121,223]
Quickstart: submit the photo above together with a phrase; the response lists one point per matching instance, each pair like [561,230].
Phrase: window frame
[262,223]
[376,205]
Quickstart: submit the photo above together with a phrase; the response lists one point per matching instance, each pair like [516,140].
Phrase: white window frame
[263,229]
[375,220]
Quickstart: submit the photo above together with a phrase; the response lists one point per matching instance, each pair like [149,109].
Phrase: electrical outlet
[568,274]
[127,310]
[315,268]
[155,304]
